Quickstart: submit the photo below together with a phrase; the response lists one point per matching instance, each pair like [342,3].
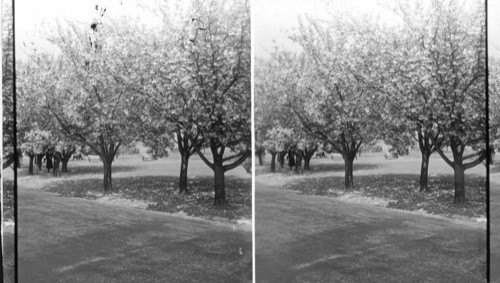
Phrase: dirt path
[75,240]
[302,238]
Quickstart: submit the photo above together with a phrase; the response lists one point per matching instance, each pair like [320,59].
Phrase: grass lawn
[150,185]
[395,183]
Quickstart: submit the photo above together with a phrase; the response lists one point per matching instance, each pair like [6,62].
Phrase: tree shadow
[403,191]
[76,169]
[316,168]
[161,193]
[335,167]
[495,168]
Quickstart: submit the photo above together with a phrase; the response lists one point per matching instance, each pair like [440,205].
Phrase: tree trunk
[307,160]
[184,170]
[107,182]
[348,177]
[64,165]
[298,162]
[220,190]
[261,162]
[281,158]
[459,171]
[424,172]
[273,162]
[64,162]
[39,158]
[30,168]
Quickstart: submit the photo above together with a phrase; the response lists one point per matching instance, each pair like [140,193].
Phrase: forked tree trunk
[183,179]
[424,171]
[64,163]
[307,155]
[65,157]
[273,162]
[220,190]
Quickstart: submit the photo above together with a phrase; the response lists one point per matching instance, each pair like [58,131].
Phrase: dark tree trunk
[220,190]
[307,155]
[39,158]
[348,177]
[186,147]
[261,162]
[298,162]
[64,165]
[183,179]
[65,157]
[424,172]
[30,168]
[273,162]
[64,162]
[426,149]
[458,148]
[459,171]
[281,159]
[107,181]
[307,160]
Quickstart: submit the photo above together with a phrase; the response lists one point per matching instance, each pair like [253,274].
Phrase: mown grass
[161,192]
[402,191]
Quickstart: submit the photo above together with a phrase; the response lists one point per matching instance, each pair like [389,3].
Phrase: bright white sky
[273,19]
[494,28]
[35,17]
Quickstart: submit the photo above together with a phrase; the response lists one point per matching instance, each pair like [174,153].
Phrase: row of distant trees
[358,81]
[115,81]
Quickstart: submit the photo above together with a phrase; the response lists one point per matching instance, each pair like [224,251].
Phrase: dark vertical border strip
[16,160]
[488,156]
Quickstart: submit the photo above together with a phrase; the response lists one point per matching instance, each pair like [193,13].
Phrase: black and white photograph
[250,141]
[7,191]
[494,120]
[133,127]
[371,141]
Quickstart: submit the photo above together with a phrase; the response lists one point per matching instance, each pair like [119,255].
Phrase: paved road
[75,240]
[302,238]
[495,229]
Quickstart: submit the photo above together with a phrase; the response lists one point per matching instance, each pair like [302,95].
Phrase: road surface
[77,240]
[304,238]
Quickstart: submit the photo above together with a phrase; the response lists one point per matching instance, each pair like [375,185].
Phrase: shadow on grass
[495,168]
[161,192]
[8,199]
[317,168]
[78,169]
[340,167]
[403,192]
